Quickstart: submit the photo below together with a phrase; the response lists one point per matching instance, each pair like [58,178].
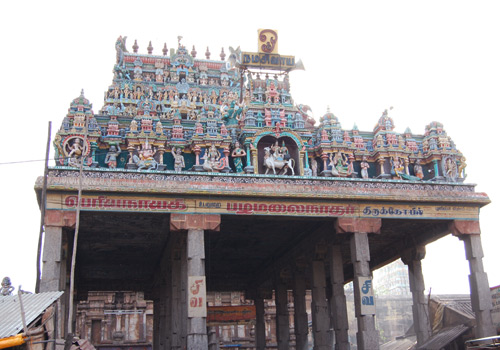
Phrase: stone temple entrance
[175,202]
[147,242]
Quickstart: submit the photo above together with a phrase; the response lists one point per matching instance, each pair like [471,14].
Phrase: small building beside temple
[202,176]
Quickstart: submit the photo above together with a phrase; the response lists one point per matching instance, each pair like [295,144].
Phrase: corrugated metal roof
[443,337]
[11,322]
[459,303]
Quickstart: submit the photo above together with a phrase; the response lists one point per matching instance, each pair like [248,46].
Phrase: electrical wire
[32,161]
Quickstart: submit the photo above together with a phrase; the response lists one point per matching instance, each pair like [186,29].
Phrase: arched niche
[270,140]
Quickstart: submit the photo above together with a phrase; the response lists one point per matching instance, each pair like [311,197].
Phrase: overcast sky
[430,60]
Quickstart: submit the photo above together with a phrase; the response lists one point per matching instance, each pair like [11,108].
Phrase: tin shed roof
[10,310]
[443,337]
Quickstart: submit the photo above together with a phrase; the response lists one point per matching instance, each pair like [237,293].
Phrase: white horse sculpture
[271,162]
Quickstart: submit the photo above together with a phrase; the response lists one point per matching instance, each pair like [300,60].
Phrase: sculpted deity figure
[284,151]
[397,167]
[178,159]
[6,287]
[147,152]
[76,149]
[75,153]
[461,167]
[213,154]
[213,161]
[112,155]
[314,167]
[340,164]
[238,154]
[417,168]
[364,168]
[277,151]
[451,169]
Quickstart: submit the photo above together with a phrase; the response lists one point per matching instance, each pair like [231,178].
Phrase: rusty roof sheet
[459,303]
[443,337]
[33,304]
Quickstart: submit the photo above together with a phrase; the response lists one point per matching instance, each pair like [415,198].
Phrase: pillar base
[249,169]
[384,176]
[326,173]
[367,340]
[162,167]
[131,166]
[197,342]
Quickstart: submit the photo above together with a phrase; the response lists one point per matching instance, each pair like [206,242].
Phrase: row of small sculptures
[213,161]
[276,159]
[342,165]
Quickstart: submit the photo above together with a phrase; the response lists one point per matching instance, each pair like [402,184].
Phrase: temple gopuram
[201,176]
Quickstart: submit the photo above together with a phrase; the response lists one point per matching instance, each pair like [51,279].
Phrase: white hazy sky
[430,60]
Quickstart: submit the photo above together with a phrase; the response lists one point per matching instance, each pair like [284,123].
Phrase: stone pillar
[338,305]
[282,317]
[421,321]
[260,326]
[54,269]
[197,314]
[162,306]
[367,336]
[53,260]
[156,323]
[176,319]
[300,315]
[319,308]
[469,233]
[213,341]
[166,323]
[196,303]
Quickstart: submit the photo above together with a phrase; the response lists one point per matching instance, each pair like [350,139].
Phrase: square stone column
[258,295]
[364,303]
[260,324]
[421,322]
[300,315]
[338,305]
[163,304]
[54,269]
[282,317]
[197,337]
[177,289]
[480,295]
[156,323]
[319,308]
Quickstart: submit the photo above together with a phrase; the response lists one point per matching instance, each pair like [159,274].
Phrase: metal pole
[43,204]
[75,241]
